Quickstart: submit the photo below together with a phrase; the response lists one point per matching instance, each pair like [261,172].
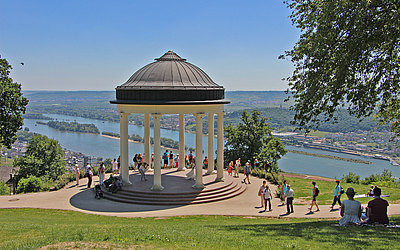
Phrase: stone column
[210,143]
[181,164]
[199,151]
[220,147]
[157,153]
[147,138]
[124,152]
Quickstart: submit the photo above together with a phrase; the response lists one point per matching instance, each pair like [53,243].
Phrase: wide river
[100,146]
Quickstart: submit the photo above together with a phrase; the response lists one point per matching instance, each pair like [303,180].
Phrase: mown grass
[33,228]
[303,190]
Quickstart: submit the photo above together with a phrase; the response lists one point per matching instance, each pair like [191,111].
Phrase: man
[171,159]
[289,195]
[165,158]
[268,197]
[315,193]
[247,172]
[114,166]
[337,193]
[377,209]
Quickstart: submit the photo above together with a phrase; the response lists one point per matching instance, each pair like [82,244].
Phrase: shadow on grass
[321,231]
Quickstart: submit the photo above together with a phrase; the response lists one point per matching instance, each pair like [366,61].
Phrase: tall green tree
[43,157]
[252,139]
[348,55]
[12,106]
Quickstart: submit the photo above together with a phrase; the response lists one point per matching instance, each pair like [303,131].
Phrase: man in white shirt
[289,195]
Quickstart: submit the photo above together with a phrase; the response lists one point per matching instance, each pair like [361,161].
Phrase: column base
[157,188]
[197,186]
[126,183]
[220,179]
[211,172]
[181,169]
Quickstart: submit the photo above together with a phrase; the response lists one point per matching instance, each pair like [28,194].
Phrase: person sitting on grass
[350,210]
[377,209]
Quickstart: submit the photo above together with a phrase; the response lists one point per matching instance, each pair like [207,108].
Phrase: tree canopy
[12,105]
[43,157]
[252,139]
[348,55]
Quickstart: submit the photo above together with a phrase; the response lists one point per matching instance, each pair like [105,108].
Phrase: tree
[12,106]
[252,139]
[347,56]
[43,157]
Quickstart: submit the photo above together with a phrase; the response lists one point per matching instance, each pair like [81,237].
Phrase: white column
[157,153]
[210,143]
[123,143]
[199,151]
[181,164]
[147,138]
[220,147]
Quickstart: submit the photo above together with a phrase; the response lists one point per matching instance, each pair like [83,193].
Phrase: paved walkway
[81,199]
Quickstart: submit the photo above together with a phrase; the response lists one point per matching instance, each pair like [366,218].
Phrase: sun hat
[350,191]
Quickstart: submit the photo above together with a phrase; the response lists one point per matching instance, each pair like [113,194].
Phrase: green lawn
[303,190]
[33,228]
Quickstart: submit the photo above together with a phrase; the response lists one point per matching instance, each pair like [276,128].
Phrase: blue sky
[98,45]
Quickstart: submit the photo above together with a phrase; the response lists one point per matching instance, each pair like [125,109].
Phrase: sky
[98,45]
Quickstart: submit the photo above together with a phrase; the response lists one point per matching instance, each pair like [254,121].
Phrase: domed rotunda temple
[171,85]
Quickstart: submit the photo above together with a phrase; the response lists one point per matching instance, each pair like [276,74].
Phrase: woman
[314,196]
[350,210]
[102,171]
[77,174]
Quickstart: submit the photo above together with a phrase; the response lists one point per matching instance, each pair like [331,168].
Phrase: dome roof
[170,79]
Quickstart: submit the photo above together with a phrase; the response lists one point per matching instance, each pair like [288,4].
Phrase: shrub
[29,185]
[351,178]
[4,189]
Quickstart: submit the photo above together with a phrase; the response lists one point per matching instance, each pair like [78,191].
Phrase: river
[100,146]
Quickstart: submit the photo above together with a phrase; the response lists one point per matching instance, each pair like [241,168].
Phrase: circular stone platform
[178,190]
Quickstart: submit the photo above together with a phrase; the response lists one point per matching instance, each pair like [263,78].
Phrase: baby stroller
[98,191]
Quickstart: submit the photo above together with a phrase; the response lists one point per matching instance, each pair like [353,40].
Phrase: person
[190,158]
[267,194]
[135,164]
[289,196]
[139,160]
[171,159]
[114,166]
[371,191]
[88,166]
[256,164]
[237,165]
[186,161]
[337,192]
[90,176]
[152,160]
[165,158]
[247,172]
[283,191]
[77,174]
[350,210]
[142,171]
[119,163]
[109,181]
[230,168]
[102,171]
[176,160]
[261,192]
[315,192]
[205,162]
[377,209]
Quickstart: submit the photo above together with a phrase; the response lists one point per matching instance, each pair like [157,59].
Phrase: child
[230,168]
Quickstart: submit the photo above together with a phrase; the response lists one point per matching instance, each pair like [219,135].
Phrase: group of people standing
[247,169]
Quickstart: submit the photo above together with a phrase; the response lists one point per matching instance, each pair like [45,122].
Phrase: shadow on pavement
[85,200]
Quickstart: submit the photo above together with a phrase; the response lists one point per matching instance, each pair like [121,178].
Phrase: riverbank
[139,142]
[330,157]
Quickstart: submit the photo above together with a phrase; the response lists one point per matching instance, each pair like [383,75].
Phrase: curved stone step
[218,196]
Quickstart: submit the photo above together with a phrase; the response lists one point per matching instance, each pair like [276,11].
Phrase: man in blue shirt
[337,193]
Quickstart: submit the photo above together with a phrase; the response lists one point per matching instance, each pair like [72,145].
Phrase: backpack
[316,191]
[341,190]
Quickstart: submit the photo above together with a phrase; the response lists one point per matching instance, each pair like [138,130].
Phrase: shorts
[165,161]
[247,174]
[314,198]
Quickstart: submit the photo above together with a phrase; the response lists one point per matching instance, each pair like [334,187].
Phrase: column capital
[124,114]
[199,115]
[156,115]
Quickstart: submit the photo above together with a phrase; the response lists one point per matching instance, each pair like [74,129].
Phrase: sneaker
[331,207]
[249,182]
[309,208]
[317,210]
